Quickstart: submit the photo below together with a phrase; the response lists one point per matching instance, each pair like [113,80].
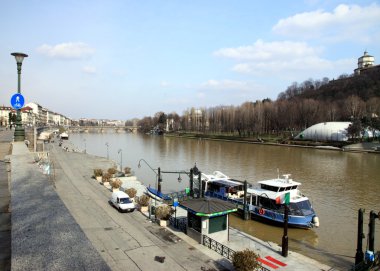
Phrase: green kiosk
[208,216]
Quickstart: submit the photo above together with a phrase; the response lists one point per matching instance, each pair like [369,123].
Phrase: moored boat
[265,201]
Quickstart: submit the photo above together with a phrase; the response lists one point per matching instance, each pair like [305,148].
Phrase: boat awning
[208,206]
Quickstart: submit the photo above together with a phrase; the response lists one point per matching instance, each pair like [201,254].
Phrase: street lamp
[19,134]
[108,157]
[121,159]
[158,174]
[85,149]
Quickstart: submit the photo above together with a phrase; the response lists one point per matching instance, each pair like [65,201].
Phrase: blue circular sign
[17,101]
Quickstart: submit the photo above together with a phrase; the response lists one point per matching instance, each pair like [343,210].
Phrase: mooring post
[359,257]
[371,234]
[246,211]
[191,183]
[200,194]
[285,245]
[159,181]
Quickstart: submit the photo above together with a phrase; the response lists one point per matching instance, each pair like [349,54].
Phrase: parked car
[122,202]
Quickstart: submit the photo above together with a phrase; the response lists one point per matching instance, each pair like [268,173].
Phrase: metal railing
[179,223]
[223,250]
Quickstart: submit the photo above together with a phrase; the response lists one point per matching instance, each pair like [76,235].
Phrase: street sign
[17,101]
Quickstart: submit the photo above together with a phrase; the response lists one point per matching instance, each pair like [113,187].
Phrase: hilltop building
[365,62]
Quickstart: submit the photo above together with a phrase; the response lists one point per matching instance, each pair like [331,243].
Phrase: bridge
[102,129]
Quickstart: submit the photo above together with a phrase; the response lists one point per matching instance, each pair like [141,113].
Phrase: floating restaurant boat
[155,194]
[265,201]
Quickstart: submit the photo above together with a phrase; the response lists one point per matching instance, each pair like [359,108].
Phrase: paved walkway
[5,197]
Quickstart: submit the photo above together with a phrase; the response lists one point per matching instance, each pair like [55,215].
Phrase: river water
[338,183]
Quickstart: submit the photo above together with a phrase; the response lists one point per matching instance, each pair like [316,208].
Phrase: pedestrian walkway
[5,197]
[45,236]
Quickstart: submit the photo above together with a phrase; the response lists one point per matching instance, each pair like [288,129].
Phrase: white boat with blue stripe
[266,203]
[265,200]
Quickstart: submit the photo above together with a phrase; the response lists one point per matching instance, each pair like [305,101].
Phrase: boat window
[269,187]
[267,203]
[301,208]
[282,189]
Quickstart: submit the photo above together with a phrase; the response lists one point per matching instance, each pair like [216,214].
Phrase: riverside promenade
[64,222]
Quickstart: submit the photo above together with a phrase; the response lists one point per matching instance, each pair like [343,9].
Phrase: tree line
[348,98]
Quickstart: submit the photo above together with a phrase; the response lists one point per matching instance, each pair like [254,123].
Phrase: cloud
[345,22]
[89,69]
[262,51]
[226,85]
[286,59]
[164,83]
[70,50]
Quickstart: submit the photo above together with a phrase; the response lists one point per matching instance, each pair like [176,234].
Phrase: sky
[122,59]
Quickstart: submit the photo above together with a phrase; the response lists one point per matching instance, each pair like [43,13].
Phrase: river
[338,183]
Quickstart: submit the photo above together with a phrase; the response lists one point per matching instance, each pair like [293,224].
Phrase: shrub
[131,192]
[106,177]
[245,260]
[127,170]
[112,170]
[116,183]
[98,172]
[164,212]
[143,200]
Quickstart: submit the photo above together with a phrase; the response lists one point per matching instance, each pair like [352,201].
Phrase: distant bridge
[102,129]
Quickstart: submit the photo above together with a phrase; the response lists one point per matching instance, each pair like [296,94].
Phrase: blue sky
[125,59]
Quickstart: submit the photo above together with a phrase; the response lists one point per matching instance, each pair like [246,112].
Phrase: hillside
[365,86]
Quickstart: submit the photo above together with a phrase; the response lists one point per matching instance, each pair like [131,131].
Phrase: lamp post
[108,157]
[158,174]
[85,147]
[19,134]
[121,159]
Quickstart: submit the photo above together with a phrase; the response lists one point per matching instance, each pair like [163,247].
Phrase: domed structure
[365,61]
[326,131]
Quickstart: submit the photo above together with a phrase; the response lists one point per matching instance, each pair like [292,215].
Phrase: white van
[122,202]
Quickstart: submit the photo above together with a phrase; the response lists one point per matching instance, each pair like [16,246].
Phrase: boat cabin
[220,185]
[268,191]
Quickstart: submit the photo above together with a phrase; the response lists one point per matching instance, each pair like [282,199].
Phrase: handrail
[223,250]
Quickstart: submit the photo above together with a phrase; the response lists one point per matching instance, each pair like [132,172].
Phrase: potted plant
[245,260]
[115,184]
[112,171]
[143,202]
[163,213]
[127,171]
[98,173]
[106,178]
[131,192]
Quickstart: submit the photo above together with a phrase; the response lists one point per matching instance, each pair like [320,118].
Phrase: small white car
[122,202]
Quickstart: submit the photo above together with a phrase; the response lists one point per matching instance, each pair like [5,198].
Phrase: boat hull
[275,218]
[153,193]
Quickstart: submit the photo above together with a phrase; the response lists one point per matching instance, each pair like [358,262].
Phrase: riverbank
[368,147]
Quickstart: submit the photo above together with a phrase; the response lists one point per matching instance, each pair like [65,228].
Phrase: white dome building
[326,131]
[364,62]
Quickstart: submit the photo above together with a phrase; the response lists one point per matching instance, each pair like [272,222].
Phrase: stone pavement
[5,197]
[44,234]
